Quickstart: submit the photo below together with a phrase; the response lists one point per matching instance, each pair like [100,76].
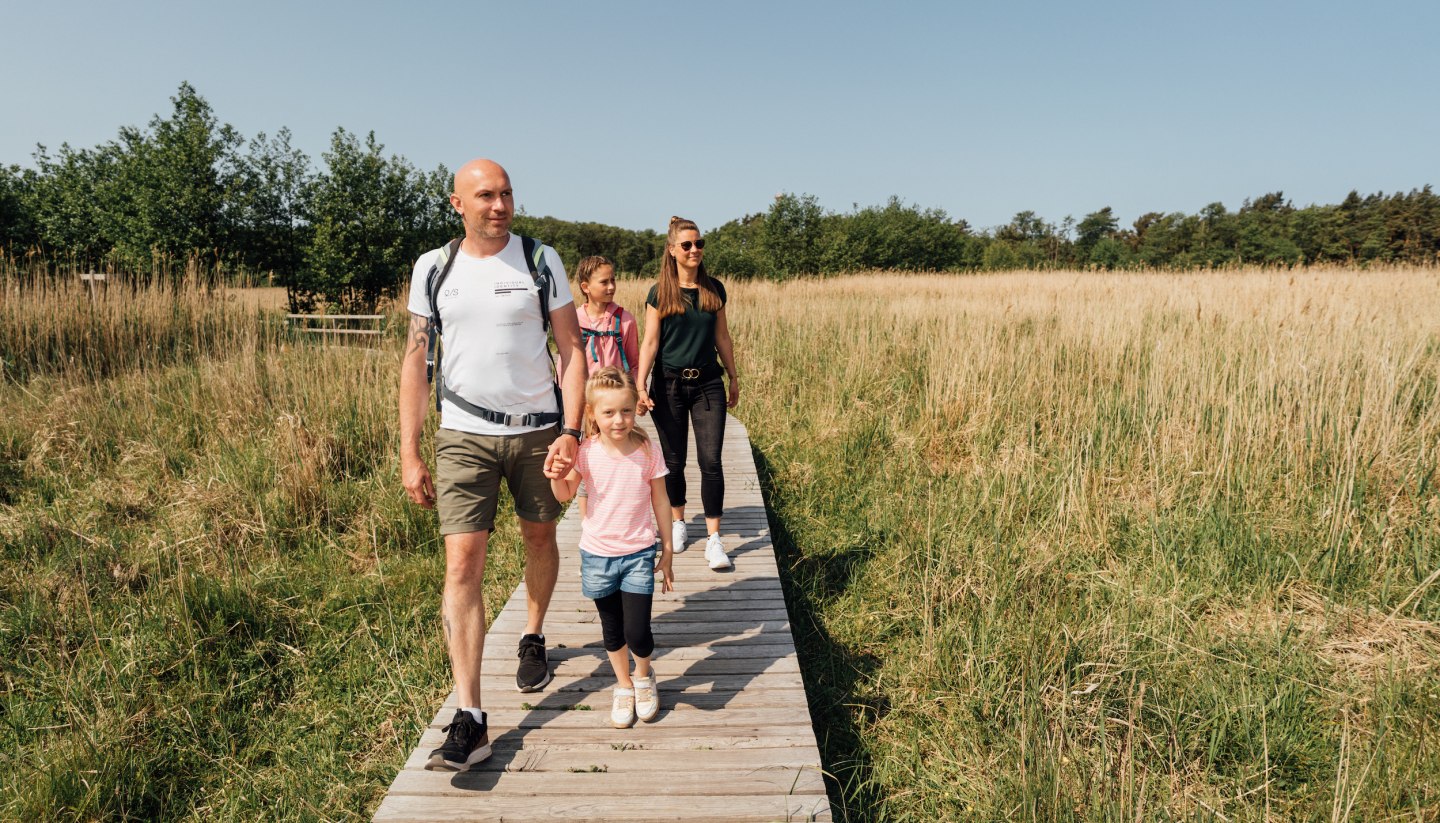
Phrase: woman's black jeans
[678,403]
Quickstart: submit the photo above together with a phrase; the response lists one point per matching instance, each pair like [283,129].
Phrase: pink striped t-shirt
[619,517]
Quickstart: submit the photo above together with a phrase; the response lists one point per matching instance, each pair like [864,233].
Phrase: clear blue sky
[627,113]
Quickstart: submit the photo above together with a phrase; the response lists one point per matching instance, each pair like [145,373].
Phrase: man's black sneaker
[534,670]
[466,743]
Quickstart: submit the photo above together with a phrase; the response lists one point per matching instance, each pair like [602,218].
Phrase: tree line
[187,187]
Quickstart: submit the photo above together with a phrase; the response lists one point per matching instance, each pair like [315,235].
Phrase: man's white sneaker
[647,699]
[715,554]
[678,535]
[622,708]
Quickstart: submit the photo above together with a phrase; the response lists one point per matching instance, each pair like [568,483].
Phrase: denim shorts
[600,576]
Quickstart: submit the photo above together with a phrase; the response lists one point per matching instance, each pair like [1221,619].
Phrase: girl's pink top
[605,351]
[619,515]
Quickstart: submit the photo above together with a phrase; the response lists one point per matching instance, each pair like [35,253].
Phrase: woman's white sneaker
[715,554]
[622,709]
[678,535]
[647,698]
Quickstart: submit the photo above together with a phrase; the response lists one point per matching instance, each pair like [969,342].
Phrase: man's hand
[418,484]
[561,456]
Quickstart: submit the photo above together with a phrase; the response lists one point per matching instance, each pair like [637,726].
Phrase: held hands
[644,404]
[561,457]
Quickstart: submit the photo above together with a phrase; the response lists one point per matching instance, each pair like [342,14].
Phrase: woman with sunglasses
[685,331]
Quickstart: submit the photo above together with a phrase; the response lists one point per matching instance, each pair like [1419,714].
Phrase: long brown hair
[668,299]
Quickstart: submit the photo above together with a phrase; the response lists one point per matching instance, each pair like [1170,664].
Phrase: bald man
[499,420]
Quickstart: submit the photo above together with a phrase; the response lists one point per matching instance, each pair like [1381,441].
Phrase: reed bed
[1076,546]
[58,323]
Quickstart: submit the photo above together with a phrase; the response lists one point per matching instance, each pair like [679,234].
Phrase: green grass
[215,601]
[1061,547]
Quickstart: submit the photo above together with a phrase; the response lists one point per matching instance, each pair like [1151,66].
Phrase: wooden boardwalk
[733,740]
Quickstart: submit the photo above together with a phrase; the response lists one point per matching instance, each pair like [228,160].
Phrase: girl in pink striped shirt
[624,475]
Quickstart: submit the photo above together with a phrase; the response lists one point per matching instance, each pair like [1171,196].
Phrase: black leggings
[677,404]
[625,621]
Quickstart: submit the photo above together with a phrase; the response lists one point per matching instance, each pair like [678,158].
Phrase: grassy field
[1057,547]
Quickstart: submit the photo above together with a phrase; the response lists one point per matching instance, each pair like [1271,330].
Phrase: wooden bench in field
[338,324]
[733,741]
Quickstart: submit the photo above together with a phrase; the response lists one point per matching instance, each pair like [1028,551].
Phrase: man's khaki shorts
[468,469]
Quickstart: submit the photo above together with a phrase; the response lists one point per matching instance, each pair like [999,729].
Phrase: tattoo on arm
[447,629]
[419,333]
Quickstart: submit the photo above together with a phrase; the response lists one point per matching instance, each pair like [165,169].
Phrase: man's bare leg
[464,611]
[542,568]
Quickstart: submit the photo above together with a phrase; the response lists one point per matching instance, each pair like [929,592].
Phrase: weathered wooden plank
[799,743]
[592,652]
[627,757]
[669,718]
[600,680]
[595,778]
[491,806]
[667,665]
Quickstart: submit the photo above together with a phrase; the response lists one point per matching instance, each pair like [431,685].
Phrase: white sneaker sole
[439,763]
[549,675]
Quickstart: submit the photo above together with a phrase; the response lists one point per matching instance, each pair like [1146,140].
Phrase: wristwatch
[575,433]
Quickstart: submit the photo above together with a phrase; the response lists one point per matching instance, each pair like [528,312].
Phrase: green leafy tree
[267,206]
[68,208]
[167,196]
[792,233]
[1264,231]
[367,214]
[1092,228]
[17,224]
[895,236]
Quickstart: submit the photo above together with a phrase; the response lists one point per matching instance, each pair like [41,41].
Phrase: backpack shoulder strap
[540,273]
[439,270]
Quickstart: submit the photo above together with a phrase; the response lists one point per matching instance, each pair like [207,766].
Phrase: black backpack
[545,285]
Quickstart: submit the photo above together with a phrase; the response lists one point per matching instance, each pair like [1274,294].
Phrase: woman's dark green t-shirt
[687,341]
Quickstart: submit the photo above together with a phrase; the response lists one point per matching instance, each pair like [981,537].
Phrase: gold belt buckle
[689,374]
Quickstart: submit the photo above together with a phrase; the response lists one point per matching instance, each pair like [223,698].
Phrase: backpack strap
[439,270]
[540,273]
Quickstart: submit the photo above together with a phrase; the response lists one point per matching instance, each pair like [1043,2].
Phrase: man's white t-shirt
[494,347]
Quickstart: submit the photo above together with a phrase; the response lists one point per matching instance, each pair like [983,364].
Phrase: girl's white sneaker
[622,708]
[647,698]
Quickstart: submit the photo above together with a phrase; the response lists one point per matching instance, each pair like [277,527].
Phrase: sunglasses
[686,244]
